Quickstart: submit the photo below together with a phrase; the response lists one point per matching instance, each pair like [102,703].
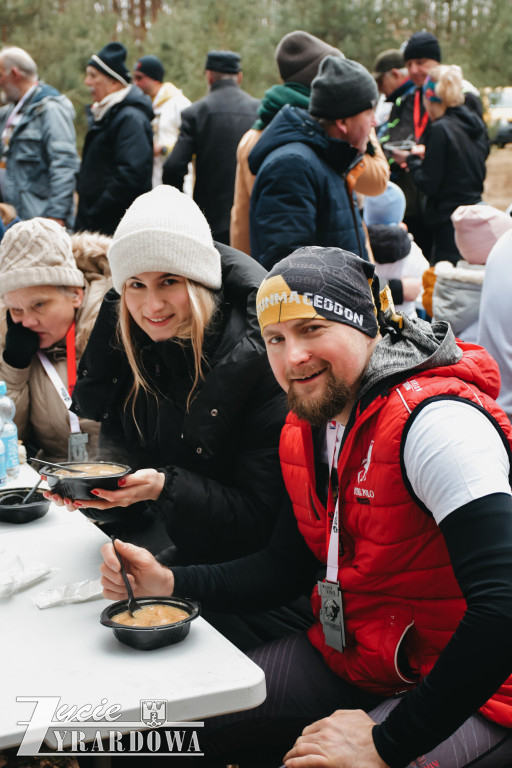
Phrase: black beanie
[388,242]
[151,66]
[422,45]
[342,88]
[299,54]
[111,61]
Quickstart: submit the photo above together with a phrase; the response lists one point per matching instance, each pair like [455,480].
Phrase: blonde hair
[203,305]
[448,80]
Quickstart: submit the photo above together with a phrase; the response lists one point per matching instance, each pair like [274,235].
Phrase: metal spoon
[132,603]
[58,466]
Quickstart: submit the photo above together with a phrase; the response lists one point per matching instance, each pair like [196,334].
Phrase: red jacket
[397,581]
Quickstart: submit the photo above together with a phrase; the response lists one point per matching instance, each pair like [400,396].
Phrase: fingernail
[95,492]
[67,501]
[78,504]
[46,494]
[121,481]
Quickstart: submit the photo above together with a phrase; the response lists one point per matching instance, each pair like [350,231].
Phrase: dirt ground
[498,184]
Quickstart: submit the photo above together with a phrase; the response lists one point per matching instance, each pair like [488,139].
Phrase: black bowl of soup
[161,621]
[13,511]
[90,475]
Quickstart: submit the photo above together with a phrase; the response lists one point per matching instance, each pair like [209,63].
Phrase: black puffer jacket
[223,486]
[453,170]
[117,163]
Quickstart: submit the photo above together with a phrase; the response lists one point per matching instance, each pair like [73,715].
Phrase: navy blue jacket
[300,196]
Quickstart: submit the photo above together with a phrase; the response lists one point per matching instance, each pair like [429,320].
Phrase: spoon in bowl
[58,466]
[17,495]
[132,603]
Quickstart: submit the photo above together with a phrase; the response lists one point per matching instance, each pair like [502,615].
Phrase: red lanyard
[419,123]
[71,359]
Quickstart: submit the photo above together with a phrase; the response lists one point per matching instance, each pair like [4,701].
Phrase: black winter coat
[117,163]
[223,487]
[211,129]
[453,170]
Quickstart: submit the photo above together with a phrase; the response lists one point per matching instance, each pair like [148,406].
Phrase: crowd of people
[288,317]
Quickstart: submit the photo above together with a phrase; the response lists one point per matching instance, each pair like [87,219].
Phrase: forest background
[61,35]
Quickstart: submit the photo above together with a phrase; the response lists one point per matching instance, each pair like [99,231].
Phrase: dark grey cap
[342,88]
[223,61]
[390,59]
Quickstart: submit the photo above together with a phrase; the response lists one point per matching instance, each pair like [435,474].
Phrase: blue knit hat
[387,208]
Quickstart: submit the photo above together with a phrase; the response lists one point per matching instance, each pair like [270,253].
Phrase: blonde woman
[176,372]
[450,167]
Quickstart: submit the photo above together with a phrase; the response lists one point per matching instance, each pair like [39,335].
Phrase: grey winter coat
[41,160]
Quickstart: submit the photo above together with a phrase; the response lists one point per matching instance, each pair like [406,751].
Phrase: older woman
[450,167]
[52,298]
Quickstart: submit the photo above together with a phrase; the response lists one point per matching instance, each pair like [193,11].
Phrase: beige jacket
[370,177]
[41,416]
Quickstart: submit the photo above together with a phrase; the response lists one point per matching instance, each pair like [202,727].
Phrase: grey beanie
[37,252]
[342,88]
[299,54]
[164,231]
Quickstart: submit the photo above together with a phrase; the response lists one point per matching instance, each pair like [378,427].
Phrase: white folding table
[65,653]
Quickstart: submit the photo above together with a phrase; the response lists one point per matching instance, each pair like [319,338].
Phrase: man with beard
[397,461]
[38,157]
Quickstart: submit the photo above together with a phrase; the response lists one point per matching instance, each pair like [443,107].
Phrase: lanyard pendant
[331,614]
[77,446]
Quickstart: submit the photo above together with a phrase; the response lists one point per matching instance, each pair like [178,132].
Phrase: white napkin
[77,592]
[15,574]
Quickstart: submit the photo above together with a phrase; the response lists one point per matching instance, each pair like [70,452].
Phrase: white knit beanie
[164,231]
[37,252]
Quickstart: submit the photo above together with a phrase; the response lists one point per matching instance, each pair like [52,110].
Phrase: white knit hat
[164,231]
[37,252]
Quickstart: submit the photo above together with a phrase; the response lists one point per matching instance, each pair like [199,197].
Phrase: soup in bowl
[89,475]
[161,621]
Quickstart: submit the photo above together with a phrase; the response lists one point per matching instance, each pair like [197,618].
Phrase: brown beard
[327,406]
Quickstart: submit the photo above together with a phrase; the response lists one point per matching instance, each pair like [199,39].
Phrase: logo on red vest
[361,475]
[412,384]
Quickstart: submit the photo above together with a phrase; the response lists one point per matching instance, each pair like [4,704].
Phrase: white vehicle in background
[498,114]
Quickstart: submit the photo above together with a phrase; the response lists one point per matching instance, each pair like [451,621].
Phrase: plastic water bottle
[9,433]
[3,470]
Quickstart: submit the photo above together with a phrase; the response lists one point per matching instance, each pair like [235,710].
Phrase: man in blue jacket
[303,194]
[38,157]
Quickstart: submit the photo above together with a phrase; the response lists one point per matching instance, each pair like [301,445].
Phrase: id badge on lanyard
[77,441]
[329,590]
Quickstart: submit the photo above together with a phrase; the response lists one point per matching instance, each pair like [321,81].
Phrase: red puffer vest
[399,590]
